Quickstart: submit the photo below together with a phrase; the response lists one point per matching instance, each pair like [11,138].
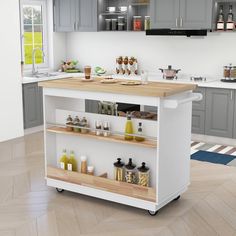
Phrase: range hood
[177,32]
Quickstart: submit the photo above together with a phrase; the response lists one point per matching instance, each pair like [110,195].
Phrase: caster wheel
[152,213]
[176,199]
[60,190]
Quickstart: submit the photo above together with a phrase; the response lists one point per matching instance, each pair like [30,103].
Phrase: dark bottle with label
[220,23]
[230,19]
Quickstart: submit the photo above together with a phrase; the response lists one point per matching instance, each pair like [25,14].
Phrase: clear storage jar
[137,23]
[119,170]
[143,175]
[130,173]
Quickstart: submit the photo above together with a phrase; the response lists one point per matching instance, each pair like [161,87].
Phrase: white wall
[11,116]
[195,56]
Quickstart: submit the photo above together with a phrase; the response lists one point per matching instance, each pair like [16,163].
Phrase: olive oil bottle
[72,163]
[129,128]
[64,160]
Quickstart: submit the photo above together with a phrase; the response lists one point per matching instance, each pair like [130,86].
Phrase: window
[33,28]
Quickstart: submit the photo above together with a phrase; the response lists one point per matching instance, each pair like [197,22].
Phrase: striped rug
[215,148]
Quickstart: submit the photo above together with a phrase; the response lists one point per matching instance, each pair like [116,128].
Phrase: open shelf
[111,138]
[101,183]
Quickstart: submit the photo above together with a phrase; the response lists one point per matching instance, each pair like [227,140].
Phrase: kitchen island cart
[166,149]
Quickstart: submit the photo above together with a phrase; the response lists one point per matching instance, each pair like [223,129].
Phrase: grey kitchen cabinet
[86,15]
[198,122]
[181,14]
[64,15]
[234,134]
[75,15]
[164,13]
[198,114]
[32,105]
[196,14]
[219,112]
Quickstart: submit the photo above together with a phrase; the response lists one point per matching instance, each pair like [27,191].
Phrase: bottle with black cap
[130,172]
[119,170]
[143,175]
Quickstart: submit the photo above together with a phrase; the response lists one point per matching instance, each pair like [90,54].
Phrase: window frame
[43,4]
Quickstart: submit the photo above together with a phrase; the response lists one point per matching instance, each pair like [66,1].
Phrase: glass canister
[233,72]
[143,175]
[137,23]
[106,129]
[121,23]
[84,125]
[114,24]
[130,174]
[119,170]
[108,24]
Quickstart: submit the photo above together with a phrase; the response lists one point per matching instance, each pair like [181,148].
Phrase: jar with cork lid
[130,172]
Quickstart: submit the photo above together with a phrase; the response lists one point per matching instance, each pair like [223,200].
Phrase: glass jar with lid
[108,24]
[121,23]
[137,23]
[114,24]
[143,175]
[119,170]
[69,123]
[76,124]
[147,23]
[130,174]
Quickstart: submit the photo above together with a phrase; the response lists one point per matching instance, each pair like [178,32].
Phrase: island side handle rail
[174,103]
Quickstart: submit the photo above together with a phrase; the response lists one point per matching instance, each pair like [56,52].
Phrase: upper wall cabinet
[164,13]
[196,14]
[86,15]
[64,15]
[75,15]
[181,14]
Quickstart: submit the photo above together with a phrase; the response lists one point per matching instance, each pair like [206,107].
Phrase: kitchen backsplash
[195,56]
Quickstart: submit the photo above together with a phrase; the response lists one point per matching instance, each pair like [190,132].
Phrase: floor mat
[213,157]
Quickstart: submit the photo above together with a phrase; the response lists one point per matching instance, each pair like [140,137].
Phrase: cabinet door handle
[74,26]
[78,25]
[176,22]
[181,22]
[231,94]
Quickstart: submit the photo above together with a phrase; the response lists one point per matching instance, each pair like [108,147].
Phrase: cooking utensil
[169,73]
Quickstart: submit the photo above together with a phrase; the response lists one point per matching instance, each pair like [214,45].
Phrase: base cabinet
[219,112]
[198,122]
[32,105]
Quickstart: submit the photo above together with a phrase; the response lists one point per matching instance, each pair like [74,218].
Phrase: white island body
[166,152]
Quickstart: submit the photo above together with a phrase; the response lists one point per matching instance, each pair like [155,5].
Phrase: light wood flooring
[29,208]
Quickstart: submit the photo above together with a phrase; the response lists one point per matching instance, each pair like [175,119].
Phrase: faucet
[34,71]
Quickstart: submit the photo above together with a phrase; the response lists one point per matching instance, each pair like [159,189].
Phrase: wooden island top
[152,89]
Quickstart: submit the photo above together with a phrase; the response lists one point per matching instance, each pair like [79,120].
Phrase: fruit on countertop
[68,65]
[99,70]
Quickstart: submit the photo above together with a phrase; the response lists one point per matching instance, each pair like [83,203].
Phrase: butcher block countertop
[152,89]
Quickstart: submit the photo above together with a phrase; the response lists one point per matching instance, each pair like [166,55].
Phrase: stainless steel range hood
[177,32]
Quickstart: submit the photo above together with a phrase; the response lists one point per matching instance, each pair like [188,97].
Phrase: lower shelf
[130,190]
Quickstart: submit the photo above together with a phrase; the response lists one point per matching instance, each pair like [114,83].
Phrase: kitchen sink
[44,75]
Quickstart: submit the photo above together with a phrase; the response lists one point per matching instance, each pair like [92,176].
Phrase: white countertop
[210,83]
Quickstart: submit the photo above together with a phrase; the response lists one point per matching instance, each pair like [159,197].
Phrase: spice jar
[98,127]
[83,164]
[90,170]
[76,124]
[119,170]
[143,175]
[137,23]
[106,129]
[227,71]
[147,23]
[233,72]
[130,172]
[69,123]
[84,126]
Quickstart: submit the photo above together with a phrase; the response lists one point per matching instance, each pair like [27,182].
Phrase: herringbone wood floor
[29,208]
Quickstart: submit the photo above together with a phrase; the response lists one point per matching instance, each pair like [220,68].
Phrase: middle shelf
[111,138]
